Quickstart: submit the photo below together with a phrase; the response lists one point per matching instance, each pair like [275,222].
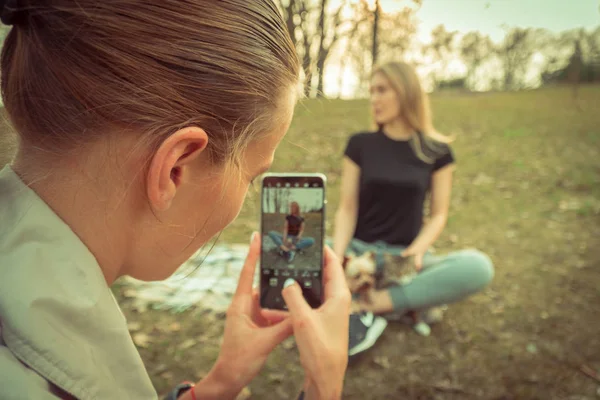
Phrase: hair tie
[10,13]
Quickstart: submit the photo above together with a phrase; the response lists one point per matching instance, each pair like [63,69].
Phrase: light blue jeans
[444,279]
[303,243]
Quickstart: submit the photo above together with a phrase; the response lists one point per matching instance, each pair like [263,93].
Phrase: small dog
[363,278]
[361,271]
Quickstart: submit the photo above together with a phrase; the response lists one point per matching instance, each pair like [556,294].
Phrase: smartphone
[293,230]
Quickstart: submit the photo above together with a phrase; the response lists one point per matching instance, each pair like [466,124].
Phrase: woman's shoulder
[438,144]
[362,136]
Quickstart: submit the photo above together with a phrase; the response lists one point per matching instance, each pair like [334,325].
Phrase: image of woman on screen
[291,239]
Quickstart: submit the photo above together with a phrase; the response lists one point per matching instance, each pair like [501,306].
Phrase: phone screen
[292,230]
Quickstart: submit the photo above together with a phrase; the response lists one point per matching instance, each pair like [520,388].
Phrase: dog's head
[357,265]
[360,270]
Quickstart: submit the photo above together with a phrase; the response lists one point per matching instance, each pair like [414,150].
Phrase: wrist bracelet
[181,389]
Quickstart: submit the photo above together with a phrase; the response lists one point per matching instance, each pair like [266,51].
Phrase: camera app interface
[292,237]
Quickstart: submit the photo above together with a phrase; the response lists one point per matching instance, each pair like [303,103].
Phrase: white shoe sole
[373,334]
[422,328]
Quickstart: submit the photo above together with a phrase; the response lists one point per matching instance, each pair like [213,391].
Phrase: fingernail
[252,237]
[288,282]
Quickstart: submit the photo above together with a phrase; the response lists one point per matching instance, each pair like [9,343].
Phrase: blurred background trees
[345,38]
[339,41]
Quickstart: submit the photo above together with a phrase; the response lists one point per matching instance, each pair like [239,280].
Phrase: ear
[171,164]
[351,270]
[345,261]
[369,254]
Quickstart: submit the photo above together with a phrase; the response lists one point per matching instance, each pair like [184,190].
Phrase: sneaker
[430,316]
[365,329]
[422,328]
[290,256]
[434,315]
[401,317]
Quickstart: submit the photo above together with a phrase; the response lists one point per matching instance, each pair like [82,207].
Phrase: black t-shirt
[393,185]
[294,223]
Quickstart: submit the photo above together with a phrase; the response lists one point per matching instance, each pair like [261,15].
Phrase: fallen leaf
[167,376]
[276,377]
[160,369]
[133,326]
[245,394]
[140,306]
[175,327]
[532,348]
[186,344]
[482,179]
[282,392]
[141,339]
[447,386]
[382,361]
[201,374]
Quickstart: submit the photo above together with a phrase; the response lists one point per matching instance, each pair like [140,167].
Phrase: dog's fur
[362,275]
[361,271]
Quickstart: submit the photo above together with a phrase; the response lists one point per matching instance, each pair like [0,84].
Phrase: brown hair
[415,109]
[75,70]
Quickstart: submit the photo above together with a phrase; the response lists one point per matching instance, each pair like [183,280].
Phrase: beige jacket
[59,321]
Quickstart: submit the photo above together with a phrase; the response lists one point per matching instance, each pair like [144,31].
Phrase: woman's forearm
[300,232]
[285,233]
[430,232]
[345,223]
[216,385]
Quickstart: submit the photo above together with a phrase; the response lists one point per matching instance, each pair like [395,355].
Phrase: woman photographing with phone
[387,175]
[141,125]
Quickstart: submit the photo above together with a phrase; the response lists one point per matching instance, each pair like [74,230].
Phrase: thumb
[419,261]
[292,294]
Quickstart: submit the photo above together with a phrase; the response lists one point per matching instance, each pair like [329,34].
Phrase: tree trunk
[341,77]
[306,56]
[322,50]
[290,11]
[509,73]
[375,49]
[320,77]
[306,66]
[574,69]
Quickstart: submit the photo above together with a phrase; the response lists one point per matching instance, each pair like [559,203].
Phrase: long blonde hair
[428,143]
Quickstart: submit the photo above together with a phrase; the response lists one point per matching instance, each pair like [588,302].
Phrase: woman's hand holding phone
[248,339]
[321,334]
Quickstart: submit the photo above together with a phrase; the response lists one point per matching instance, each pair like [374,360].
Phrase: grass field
[527,192]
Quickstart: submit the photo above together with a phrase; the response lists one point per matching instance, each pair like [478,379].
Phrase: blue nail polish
[288,282]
